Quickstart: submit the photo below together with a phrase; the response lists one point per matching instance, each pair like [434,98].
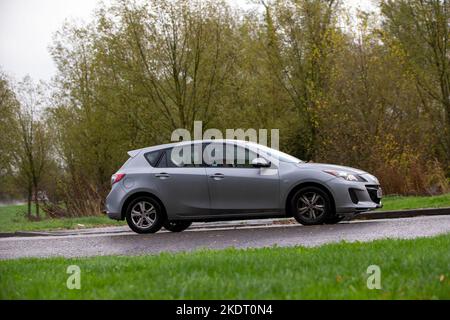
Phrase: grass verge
[12,218]
[412,202]
[410,269]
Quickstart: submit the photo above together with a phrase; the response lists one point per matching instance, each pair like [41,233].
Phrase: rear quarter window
[153,157]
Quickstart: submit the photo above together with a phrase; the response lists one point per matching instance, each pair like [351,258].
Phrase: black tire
[308,210]
[157,215]
[176,226]
[334,219]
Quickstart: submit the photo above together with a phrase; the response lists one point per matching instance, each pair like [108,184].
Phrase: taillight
[117,177]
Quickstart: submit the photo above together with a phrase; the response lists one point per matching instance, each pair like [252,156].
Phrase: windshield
[277,154]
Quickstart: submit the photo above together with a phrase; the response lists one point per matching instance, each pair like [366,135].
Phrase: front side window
[243,157]
[226,155]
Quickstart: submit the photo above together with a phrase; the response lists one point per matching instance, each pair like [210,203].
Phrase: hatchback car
[173,185]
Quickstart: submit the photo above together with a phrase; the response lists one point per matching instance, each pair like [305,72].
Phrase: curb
[374,215]
[403,213]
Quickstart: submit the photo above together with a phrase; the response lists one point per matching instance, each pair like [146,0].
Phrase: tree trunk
[36,201]
[29,200]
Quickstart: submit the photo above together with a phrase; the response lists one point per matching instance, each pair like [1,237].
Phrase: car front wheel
[176,226]
[144,215]
[311,206]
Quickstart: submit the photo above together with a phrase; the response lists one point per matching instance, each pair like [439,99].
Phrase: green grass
[410,269]
[12,218]
[411,202]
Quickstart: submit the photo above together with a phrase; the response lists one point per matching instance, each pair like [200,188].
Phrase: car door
[183,186]
[235,186]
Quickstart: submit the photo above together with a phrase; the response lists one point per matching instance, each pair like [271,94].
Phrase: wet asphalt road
[249,237]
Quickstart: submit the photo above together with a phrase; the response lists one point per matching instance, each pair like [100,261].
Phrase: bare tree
[420,28]
[32,151]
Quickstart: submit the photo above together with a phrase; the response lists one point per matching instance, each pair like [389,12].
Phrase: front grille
[373,190]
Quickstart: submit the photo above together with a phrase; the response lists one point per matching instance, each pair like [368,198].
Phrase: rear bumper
[112,214]
[113,203]
[115,215]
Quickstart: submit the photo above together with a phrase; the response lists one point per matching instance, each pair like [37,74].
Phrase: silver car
[173,185]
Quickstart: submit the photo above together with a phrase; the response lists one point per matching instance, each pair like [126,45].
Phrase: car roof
[133,153]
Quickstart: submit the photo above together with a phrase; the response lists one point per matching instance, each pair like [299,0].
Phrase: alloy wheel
[143,214]
[311,206]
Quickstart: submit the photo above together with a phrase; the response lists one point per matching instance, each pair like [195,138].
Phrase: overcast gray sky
[27,27]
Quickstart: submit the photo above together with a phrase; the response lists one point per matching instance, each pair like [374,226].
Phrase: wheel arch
[136,195]
[307,184]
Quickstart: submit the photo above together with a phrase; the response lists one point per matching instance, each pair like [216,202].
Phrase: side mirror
[260,163]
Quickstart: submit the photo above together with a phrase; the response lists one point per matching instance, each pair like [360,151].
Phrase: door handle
[217,176]
[162,175]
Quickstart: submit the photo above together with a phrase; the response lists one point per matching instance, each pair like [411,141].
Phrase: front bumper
[355,197]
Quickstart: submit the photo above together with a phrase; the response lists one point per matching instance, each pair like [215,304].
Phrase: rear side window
[153,157]
[166,160]
[163,162]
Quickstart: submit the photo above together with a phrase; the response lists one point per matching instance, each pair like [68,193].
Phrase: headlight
[342,174]
[373,178]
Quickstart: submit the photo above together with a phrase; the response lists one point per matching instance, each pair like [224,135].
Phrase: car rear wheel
[311,206]
[144,215]
[176,226]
